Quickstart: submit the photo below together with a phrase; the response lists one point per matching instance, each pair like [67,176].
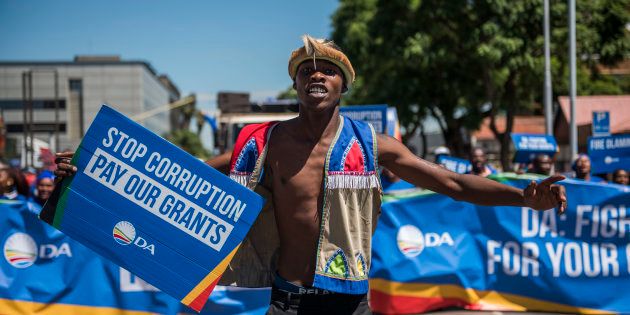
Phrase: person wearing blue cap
[582,168]
[44,186]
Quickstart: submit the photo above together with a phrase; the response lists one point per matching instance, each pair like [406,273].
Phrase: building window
[76,100]
[76,85]
[37,104]
[37,127]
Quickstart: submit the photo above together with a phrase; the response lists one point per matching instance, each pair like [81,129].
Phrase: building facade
[65,96]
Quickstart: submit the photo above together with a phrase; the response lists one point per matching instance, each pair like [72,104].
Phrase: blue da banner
[529,145]
[373,114]
[44,271]
[435,252]
[432,252]
[609,153]
[152,208]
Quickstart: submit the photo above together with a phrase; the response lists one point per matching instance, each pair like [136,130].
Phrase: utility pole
[572,75]
[548,89]
[56,149]
[25,116]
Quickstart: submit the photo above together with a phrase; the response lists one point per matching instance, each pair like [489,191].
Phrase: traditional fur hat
[322,49]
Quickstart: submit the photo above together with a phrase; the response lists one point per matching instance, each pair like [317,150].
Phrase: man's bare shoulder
[283,131]
[279,140]
[389,148]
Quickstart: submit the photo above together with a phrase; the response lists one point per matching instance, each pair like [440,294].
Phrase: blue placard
[454,164]
[601,124]
[393,126]
[153,209]
[374,114]
[609,153]
[527,146]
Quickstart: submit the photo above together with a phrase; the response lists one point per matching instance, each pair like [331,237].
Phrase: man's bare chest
[297,170]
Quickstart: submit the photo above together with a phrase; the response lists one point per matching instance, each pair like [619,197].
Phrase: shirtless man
[479,163]
[322,213]
[541,165]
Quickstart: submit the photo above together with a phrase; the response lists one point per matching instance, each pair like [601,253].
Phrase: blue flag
[211,120]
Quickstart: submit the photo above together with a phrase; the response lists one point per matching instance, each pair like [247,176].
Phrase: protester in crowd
[13,184]
[582,169]
[620,177]
[541,165]
[391,182]
[15,163]
[312,242]
[30,174]
[479,162]
[44,186]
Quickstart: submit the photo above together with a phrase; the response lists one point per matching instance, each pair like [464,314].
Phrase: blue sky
[204,46]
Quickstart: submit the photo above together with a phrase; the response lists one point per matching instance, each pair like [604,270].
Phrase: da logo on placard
[20,250]
[411,241]
[124,233]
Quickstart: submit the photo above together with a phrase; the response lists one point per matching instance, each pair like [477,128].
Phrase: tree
[412,53]
[189,142]
[289,94]
[512,57]
[461,60]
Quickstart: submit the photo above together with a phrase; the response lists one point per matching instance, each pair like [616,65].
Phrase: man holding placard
[312,241]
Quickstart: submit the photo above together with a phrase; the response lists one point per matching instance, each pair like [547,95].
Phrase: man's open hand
[545,195]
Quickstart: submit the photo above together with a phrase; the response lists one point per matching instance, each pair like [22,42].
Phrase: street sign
[601,124]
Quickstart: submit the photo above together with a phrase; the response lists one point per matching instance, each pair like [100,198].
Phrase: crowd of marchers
[541,164]
[36,185]
[25,184]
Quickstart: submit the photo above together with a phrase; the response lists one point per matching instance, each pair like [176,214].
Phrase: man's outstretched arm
[475,189]
[221,162]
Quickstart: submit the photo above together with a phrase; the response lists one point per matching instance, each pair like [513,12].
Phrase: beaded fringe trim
[242,179]
[352,181]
